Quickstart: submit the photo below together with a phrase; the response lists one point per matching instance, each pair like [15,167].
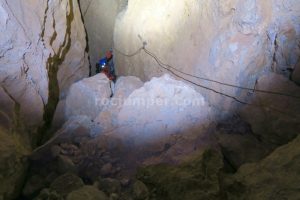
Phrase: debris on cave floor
[106,147]
[104,161]
[100,153]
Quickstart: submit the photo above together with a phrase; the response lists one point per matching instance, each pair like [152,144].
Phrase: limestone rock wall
[99,19]
[233,41]
[42,52]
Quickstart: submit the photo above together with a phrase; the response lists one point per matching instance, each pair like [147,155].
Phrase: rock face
[42,52]
[99,20]
[89,96]
[13,165]
[88,193]
[276,119]
[124,86]
[162,106]
[231,41]
[272,178]
[66,183]
[196,179]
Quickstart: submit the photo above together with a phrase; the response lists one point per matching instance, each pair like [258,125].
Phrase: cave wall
[99,20]
[42,52]
[232,41]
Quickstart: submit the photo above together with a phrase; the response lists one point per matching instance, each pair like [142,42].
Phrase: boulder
[275,177]
[33,186]
[140,190]
[87,193]
[125,85]
[66,183]
[88,96]
[161,107]
[14,163]
[106,169]
[196,178]
[274,118]
[46,194]
[109,185]
[238,143]
[65,164]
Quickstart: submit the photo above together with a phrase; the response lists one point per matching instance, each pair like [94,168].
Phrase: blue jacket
[103,61]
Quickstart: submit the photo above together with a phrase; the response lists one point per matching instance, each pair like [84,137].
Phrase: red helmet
[108,54]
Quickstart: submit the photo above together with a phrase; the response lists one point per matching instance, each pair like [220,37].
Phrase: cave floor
[117,159]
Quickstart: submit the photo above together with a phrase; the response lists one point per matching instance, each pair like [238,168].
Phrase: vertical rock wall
[42,52]
[233,41]
[99,19]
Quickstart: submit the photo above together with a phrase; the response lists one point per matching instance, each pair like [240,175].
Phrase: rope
[168,67]
[84,13]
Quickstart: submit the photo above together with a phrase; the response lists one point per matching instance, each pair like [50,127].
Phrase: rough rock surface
[100,34]
[88,193]
[124,135]
[42,52]
[66,183]
[275,177]
[275,120]
[233,41]
[140,190]
[88,96]
[162,106]
[13,165]
[296,73]
[122,89]
[238,143]
[171,106]
[126,85]
[193,180]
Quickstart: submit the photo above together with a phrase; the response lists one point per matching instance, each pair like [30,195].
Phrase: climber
[106,66]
